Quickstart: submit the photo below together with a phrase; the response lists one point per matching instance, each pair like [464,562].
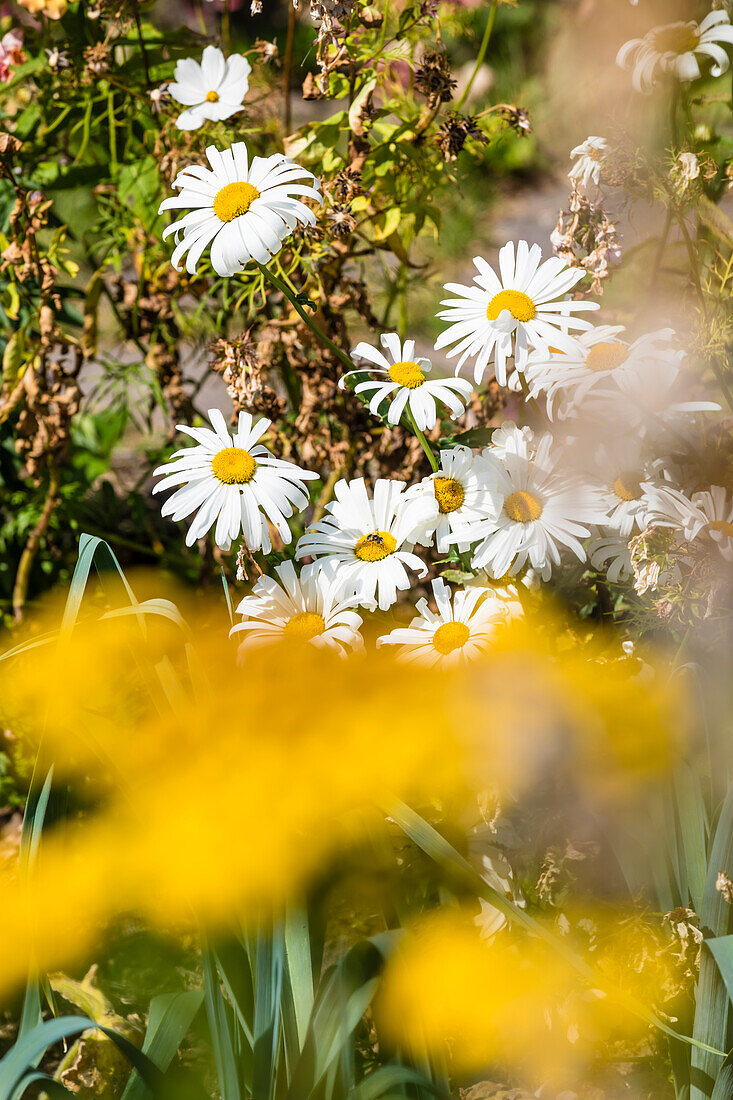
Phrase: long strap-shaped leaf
[220,1028]
[169,1018]
[52,1088]
[711,995]
[385,1080]
[25,1053]
[724,1084]
[437,847]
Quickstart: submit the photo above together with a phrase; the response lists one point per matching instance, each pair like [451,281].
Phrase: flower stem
[423,441]
[287,292]
[481,53]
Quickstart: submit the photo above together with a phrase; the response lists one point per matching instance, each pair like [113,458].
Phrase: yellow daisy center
[448,493]
[450,636]
[519,304]
[523,507]
[627,487]
[212,97]
[375,546]
[607,356]
[677,38]
[407,374]
[723,526]
[304,626]
[233,466]
[233,200]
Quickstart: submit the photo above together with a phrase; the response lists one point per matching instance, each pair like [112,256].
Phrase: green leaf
[300,971]
[711,996]
[220,1029]
[13,358]
[28,1050]
[387,1078]
[722,949]
[388,223]
[693,830]
[474,437]
[169,1019]
[724,1082]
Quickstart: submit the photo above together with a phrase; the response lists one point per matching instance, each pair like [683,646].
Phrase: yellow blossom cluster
[214,790]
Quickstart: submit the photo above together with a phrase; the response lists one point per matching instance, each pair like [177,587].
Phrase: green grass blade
[268,985]
[300,971]
[49,1086]
[693,830]
[169,1020]
[385,1080]
[220,1029]
[724,1083]
[711,996]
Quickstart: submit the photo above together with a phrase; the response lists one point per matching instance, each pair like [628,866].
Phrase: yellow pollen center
[448,493]
[375,546]
[450,636]
[677,38]
[723,526]
[627,487]
[233,200]
[233,466]
[523,507]
[519,304]
[304,626]
[212,97]
[407,374]
[607,356]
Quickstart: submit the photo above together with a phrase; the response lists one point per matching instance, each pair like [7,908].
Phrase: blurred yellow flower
[54,9]
[148,720]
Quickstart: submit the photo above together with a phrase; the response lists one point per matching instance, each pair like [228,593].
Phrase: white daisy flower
[522,308]
[509,438]
[714,518]
[674,49]
[647,401]
[405,382]
[588,158]
[244,211]
[610,554]
[706,514]
[536,510]
[624,473]
[599,356]
[233,481]
[460,631]
[212,90]
[457,493]
[299,609]
[367,543]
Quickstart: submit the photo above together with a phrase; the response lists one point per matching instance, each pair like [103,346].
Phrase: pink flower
[11,53]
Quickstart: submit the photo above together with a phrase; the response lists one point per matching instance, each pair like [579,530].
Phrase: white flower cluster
[596,477]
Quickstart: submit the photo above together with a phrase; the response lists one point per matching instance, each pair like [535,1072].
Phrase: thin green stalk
[423,441]
[287,292]
[226,27]
[481,53]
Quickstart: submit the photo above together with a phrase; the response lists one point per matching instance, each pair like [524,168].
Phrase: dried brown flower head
[433,78]
[346,186]
[239,364]
[343,222]
[451,137]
